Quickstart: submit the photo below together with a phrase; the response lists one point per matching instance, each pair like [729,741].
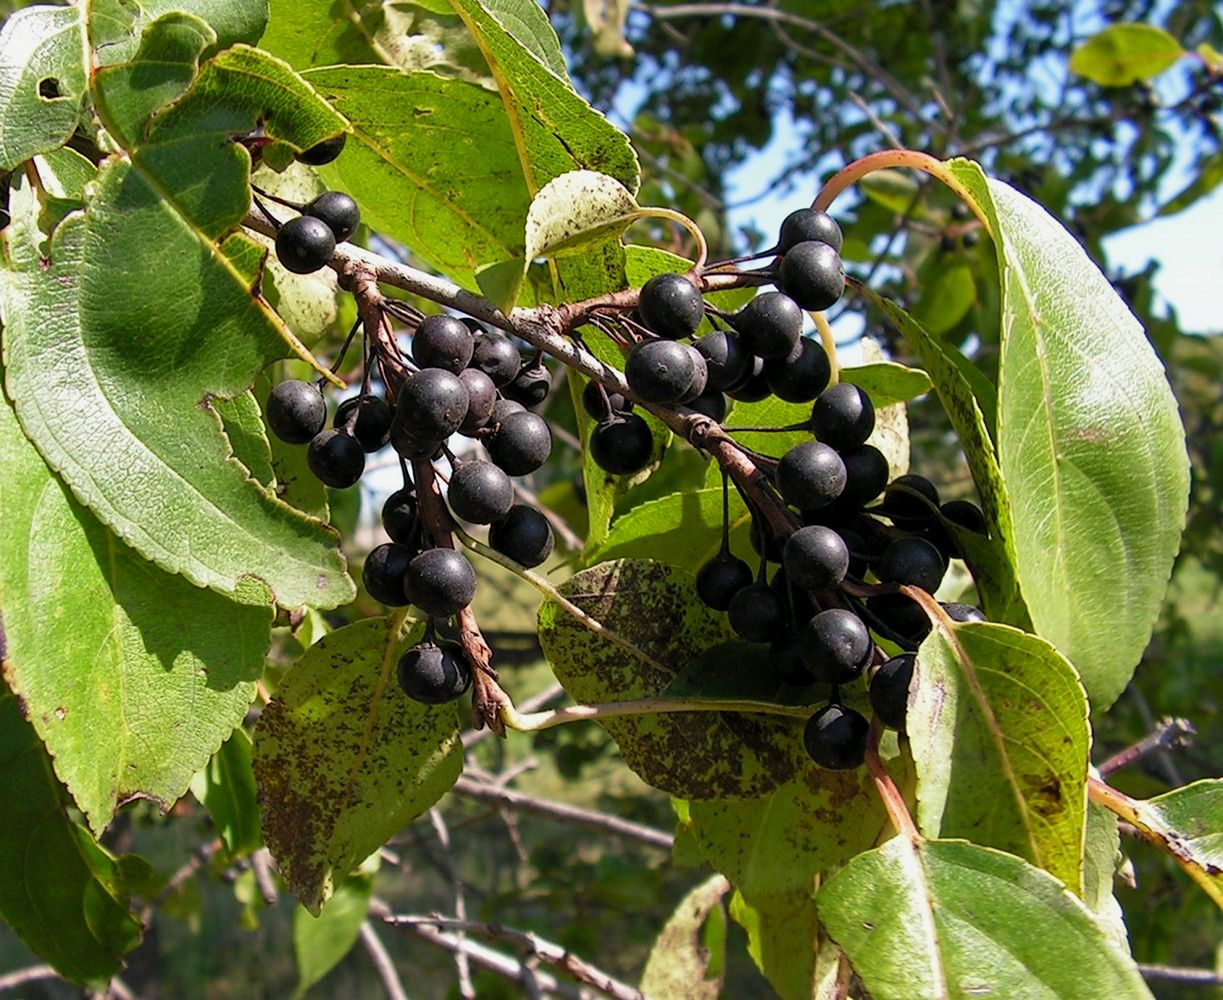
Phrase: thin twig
[466,990]
[536,701]
[261,865]
[1169,734]
[1171,773]
[1179,974]
[588,819]
[383,964]
[30,974]
[546,951]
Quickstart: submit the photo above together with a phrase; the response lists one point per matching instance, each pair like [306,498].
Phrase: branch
[1179,974]
[466,990]
[545,951]
[1169,734]
[383,964]
[30,974]
[586,818]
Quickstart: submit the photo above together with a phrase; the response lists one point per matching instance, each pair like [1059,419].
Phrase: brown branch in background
[1169,734]
[466,990]
[1179,974]
[383,965]
[545,951]
[30,974]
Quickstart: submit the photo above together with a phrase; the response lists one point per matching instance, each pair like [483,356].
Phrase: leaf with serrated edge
[39,44]
[998,725]
[100,344]
[951,919]
[677,968]
[654,607]
[131,677]
[343,758]
[1090,444]
[57,895]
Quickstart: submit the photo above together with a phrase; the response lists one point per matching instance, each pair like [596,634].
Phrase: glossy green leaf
[947,297]
[1089,442]
[998,725]
[655,610]
[101,343]
[242,421]
[58,893]
[42,81]
[226,787]
[952,919]
[888,382]
[321,942]
[131,677]
[1124,54]
[343,758]
[685,964]
[683,529]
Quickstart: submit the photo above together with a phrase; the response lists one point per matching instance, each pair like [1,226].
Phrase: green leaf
[403,127]
[946,297]
[115,26]
[893,189]
[131,677]
[226,787]
[1188,822]
[321,942]
[42,81]
[1089,443]
[998,725]
[242,421]
[576,210]
[1124,54]
[655,610]
[688,958]
[58,891]
[951,919]
[1208,178]
[671,529]
[968,399]
[888,382]
[101,344]
[788,945]
[343,758]
[1102,858]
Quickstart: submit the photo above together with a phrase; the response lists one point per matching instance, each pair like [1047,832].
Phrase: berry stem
[533,722]
[830,345]
[893,801]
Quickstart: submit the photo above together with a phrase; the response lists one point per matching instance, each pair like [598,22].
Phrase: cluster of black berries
[463,379]
[751,354]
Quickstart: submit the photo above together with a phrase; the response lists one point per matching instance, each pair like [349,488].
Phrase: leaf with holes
[132,677]
[343,758]
[1089,443]
[997,720]
[662,625]
[952,919]
[42,81]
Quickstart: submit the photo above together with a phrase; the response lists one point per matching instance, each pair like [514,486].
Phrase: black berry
[756,613]
[815,558]
[769,325]
[727,361]
[304,244]
[910,498]
[530,386]
[338,211]
[296,411]
[372,425]
[622,445]
[496,356]
[521,443]
[808,224]
[443,342]
[524,535]
[890,690]
[812,275]
[810,475]
[384,573]
[481,398]
[801,375]
[960,612]
[440,582]
[661,371]
[843,416]
[838,646]
[336,459]
[401,516]
[720,579]
[323,152]
[835,738]
[600,403]
[480,492]
[914,561]
[434,673]
[431,404]
[671,306]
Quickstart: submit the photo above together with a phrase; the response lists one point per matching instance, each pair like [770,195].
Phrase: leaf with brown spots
[343,758]
[998,724]
[695,755]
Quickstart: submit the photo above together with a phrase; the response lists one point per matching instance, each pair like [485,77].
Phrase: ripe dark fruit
[440,582]
[808,224]
[660,371]
[384,572]
[810,475]
[481,397]
[496,356]
[902,616]
[443,342]
[815,558]
[769,325]
[671,306]
[843,416]
[726,359]
[521,444]
[503,409]
[304,244]
[966,514]
[866,474]
[524,535]
[785,655]
[890,690]
[812,275]
[838,646]
[600,403]
[712,404]
[800,376]
[338,210]
[910,498]
[400,516]
[700,376]
[372,427]
[959,612]
[296,411]
[754,386]
[530,386]
[622,444]
[336,459]
[720,579]
[434,673]
[323,152]
[756,613]
[480,492]
[835,738]
[431,404]
[914,561]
